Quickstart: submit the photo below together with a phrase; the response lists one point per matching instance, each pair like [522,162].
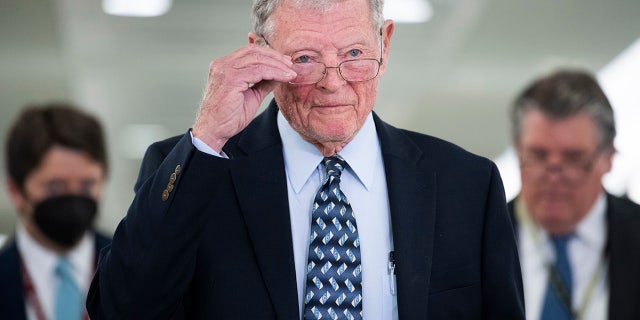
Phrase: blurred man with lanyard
[578,244]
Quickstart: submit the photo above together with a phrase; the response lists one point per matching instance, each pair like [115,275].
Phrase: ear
[16,195]
[608,160]
[254,38]
[386,33]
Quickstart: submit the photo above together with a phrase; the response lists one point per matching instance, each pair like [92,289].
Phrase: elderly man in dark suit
[578,244]
[316,208]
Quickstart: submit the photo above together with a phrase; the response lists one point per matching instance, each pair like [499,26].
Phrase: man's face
[561,169]
[331,110]
[62,171]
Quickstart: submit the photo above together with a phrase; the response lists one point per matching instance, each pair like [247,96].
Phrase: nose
[332,80]
[83,187]
[554,170]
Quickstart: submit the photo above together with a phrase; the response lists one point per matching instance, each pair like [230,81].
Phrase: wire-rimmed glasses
[354,70]
[573,167]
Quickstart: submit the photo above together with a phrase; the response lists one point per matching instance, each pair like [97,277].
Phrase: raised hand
[235,88]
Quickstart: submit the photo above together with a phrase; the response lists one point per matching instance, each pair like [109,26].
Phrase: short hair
[563,94]
[40,127]
[263,9]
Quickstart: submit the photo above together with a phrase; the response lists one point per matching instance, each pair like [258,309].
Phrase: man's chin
[333,132]
[556,221]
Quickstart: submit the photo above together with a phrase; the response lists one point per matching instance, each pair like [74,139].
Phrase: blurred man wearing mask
[56,166]
[578,244]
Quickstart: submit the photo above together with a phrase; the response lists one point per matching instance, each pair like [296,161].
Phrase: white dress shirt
[41,263]
[585,251]
[364,183]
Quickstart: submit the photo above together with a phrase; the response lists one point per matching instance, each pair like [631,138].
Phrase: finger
[236,86]
[261,89]
[255,64]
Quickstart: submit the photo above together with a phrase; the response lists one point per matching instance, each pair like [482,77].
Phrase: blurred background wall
[452,76]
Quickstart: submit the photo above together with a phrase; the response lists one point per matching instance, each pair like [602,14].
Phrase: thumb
[259,92]
[263,88]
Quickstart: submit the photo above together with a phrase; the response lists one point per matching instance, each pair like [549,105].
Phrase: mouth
[331,104]
[331,108]
[555,195]
[328,104]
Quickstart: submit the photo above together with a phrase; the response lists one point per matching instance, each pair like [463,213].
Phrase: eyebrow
[340,50]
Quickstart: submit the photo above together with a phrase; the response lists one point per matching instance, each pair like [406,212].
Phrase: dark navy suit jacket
[623,253]
[218,245]
[12,300]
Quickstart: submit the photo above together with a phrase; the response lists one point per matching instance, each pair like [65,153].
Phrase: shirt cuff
[203,147]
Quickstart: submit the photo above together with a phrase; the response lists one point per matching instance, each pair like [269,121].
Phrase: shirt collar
[302,158]
[37,257]
[33,253]
[592,228]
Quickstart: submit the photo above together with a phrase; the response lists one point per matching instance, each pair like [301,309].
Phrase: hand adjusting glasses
[353,70]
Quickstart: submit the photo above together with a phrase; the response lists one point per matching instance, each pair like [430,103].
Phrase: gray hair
[263,9]
[564,94]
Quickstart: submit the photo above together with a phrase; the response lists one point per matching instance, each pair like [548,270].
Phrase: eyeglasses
[354,70]
[573,167]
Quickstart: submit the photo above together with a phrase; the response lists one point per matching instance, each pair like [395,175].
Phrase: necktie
[68,301]
[334,278]
[557,302]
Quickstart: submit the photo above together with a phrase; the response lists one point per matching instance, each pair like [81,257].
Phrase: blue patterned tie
[557,301]
[68,303]
[334,271]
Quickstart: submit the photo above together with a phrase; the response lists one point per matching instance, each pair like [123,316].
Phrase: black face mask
[64,219]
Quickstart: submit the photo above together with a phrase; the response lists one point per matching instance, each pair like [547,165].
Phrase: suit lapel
[412,202]
[12,303]
[622,247]
[261,186]
[260,181]
[511,208]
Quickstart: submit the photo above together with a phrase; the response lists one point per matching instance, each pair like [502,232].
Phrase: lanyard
[32,296]
[527,223]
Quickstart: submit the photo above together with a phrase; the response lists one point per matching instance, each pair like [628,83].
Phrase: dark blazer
[623,252]
[12,300]
[217,244]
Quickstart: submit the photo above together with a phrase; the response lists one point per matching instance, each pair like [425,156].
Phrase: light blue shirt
[40,263]
[586,252]
[364,183]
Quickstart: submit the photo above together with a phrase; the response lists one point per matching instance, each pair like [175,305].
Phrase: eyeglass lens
[350,70]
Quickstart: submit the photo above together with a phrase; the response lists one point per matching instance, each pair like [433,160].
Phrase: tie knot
[334,165]
[64,269]
[560,242]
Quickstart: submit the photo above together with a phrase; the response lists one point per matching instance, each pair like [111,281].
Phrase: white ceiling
[452,77]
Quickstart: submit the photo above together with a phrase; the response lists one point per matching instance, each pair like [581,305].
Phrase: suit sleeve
[146,272]
[502,295]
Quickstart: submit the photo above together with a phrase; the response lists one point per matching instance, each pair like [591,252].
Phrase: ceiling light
[408,11]
[136,8]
